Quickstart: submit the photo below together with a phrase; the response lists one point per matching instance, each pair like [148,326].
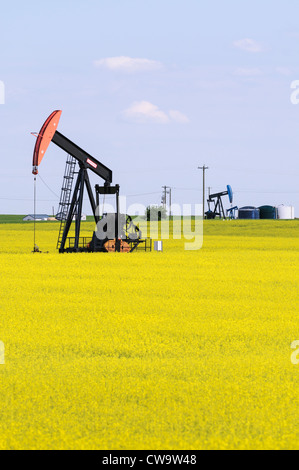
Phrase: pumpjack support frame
[75,209]
[218,204]
[111,190]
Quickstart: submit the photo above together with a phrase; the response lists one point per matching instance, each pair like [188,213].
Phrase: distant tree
[155,213]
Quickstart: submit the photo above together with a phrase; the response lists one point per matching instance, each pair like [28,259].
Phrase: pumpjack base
[93,245]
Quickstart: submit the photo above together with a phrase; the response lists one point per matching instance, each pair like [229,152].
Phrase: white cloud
[248,72]
[248,45]
[128,64]
[178,117]
[144,111]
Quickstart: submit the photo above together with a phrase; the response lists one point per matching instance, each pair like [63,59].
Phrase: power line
[26,200]
[48,186]
[143,194]
[186,189]
[265,192]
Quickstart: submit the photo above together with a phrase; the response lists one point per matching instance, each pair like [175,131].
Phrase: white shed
[38,218]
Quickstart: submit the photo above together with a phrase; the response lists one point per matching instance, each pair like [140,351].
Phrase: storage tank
[286,212]
[268,212]
[249,212]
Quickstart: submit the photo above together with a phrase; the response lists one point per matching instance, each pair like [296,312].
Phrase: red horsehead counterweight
[44,138]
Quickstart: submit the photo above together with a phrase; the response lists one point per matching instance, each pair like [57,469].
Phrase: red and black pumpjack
[124,236]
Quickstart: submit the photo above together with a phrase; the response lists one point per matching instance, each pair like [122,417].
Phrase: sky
[153,89]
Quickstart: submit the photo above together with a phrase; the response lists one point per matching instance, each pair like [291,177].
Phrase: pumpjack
[216,199]
[114,232]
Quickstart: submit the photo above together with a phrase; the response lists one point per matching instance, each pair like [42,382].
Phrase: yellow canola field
[173,350]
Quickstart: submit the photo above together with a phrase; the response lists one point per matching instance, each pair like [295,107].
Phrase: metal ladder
[66,193]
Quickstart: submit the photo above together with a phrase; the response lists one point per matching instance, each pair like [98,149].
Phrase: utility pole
[166,191]
[203,168]
[163,199]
